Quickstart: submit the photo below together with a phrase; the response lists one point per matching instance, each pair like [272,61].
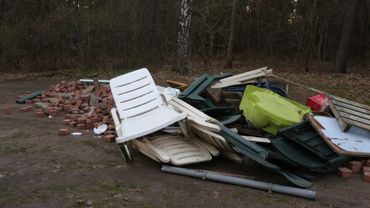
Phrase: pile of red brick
[355,167]
[83,106]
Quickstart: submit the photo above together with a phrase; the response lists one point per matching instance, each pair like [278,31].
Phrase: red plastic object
[316,102]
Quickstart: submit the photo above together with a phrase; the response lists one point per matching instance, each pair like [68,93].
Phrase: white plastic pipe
[270,187]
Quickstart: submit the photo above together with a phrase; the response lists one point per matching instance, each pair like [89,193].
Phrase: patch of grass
[7,149]
[75,165]
[4,197]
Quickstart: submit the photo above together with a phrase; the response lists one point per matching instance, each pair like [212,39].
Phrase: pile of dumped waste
[236,116]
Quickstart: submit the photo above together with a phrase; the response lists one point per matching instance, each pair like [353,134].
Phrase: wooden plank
[350,102]
[176,84]
[365,122]
[256,139]
[253,76]
[243,74]
[228,84]
[341,122]
[349,106]
[352,112]
[355,123]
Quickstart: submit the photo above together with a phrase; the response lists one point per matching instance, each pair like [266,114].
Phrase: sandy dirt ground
[38,168]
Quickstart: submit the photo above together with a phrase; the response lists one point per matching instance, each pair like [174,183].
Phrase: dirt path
[38,168]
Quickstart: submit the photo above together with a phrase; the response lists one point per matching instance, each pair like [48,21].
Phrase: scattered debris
[85,106]
[242,116]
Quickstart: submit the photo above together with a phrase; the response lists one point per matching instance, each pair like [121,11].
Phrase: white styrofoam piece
[354,140]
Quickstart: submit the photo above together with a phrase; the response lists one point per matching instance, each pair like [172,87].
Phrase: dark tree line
[49,34]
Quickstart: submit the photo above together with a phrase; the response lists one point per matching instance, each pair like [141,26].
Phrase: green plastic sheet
[270,111]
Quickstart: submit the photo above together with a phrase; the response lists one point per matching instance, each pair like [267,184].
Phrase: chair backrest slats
[135,93]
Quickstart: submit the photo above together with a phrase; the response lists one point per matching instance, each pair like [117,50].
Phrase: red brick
[81,120]
[365,169]
[355,166]
[67,108]
[76,112]
[40,113]
[63,132]
[28,101]
[67,121]
[109,138]
[344,172]
[86,109]
[81,126]
[95,119]
[366,176]
[105,119]
[53,112]
[109,133]
[111,127]
[73,123]
[367,163]
[26,109]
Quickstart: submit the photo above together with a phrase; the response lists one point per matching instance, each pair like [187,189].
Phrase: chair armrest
[116,120]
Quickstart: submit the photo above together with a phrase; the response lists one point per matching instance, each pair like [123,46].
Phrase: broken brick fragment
[366,176]
[81,126]
[53,112]
[26,109]
[365,169]
[73,123]
[105,119]
[355,166]
[109,133]
[111,127]
[40,113]
[367,163]
[344,172]
[109,138]
[81,120]
[63,132]
[67,121]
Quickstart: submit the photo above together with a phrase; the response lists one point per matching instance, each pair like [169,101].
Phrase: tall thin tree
[230,46]
[182,64]
[346,37]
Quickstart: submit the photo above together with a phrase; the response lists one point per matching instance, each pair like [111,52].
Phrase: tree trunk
[182,64]
[346,36]
[230,46]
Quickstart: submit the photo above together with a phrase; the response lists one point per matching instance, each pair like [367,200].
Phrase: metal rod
[270,187]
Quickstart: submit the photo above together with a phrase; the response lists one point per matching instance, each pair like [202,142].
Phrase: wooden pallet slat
[349,113]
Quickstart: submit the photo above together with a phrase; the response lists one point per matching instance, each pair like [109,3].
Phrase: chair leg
[125,152]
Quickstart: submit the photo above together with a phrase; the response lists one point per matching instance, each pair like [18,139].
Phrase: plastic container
[316,102]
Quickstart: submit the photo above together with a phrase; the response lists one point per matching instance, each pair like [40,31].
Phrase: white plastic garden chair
[140,108]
